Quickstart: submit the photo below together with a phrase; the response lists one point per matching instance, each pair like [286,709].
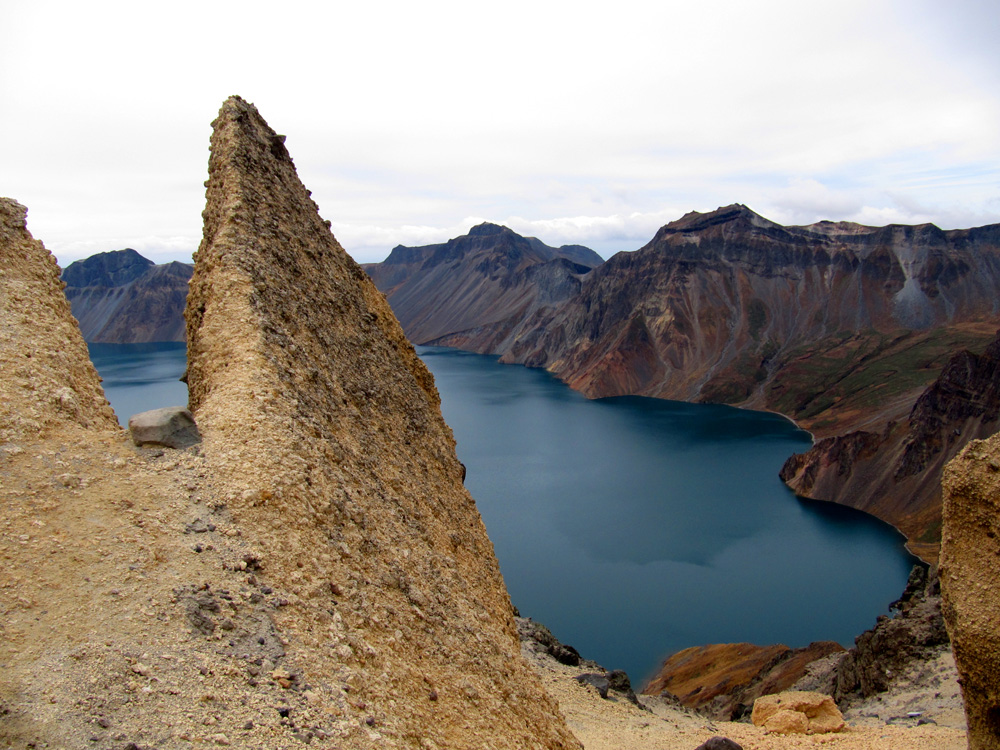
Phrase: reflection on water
[632,527]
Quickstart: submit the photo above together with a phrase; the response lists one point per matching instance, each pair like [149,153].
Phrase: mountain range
[837,325]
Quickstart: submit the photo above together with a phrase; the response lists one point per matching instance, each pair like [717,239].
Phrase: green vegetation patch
[864,370]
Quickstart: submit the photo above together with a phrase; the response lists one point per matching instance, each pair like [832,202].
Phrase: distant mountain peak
[696,221]
[114,268]
[488,229]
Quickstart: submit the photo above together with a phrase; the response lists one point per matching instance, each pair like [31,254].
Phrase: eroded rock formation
[48,379]
[324,431]
[120,297]
[896,474]
[970,559]
[313,572]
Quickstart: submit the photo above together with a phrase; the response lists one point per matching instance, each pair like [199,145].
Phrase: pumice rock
[325,436]
[970,559]
[50,381]
[797,712]
[316,571]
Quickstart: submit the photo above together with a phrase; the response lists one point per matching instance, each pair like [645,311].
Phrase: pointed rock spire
[325,433]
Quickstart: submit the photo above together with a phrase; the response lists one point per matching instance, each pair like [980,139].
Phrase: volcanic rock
[48,379]
[916,635]
[797,712]
[349,473]
[970,551]
[896,474]
[719,743]
[728,306]
[478,287]
[316,571]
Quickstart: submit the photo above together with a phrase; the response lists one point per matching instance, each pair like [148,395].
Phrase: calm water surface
[140,377]
[632,527]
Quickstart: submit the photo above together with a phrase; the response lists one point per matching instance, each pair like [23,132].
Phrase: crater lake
[631,527]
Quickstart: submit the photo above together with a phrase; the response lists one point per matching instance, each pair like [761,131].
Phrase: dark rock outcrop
[915,635]
[539,639]
[120,297]
[535,632]
[719,743]
[970,558]
[478,287]
[896,475]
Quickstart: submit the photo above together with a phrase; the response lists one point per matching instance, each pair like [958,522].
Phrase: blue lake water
[140,377]
[632,527]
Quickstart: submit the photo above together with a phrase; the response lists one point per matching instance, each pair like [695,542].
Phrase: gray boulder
[172,427]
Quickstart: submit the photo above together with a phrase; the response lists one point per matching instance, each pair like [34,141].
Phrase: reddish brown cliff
[723,679]
[896,474]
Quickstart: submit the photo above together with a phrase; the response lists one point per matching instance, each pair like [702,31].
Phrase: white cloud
[577,126]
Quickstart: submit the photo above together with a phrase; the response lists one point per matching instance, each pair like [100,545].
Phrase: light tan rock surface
[44,388]
[797,712]
[970,562]
[314,572]
[324,433]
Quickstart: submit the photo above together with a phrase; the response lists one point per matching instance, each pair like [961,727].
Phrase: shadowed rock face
[477,287]
[896,474]
[324,432]
[970,551]
[122,298]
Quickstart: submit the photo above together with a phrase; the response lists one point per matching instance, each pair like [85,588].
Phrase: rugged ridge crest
[489,280]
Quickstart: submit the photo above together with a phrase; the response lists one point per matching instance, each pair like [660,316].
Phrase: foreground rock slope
[315,570]
[120,297]
[970,556]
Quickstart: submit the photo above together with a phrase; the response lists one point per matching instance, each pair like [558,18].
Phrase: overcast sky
[575,122]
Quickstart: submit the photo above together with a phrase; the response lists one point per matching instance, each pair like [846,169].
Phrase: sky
[575,122]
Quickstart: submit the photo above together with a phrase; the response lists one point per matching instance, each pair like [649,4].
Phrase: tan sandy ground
[616,724]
